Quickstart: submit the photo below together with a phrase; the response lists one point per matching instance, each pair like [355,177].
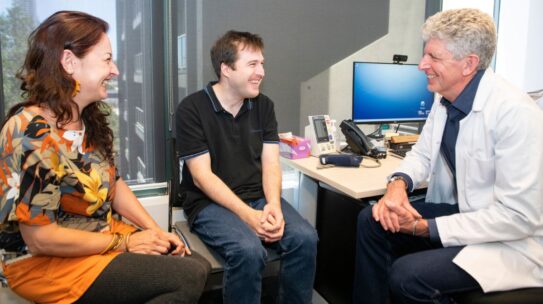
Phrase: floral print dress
[51,175]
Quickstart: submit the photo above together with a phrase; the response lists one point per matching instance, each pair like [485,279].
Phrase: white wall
[486,6]
[520,46]
[157,206]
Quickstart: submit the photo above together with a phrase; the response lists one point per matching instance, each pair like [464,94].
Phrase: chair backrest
[524,296]
[537,96]
[12,245]
[173,183]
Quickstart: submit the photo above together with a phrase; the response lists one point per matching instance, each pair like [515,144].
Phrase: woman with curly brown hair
[59,185]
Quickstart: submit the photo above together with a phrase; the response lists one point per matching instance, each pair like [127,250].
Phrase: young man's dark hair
[225,50]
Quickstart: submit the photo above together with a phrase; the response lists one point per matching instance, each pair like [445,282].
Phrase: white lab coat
[499,185]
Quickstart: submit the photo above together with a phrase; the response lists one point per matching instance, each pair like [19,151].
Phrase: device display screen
[386,92]
[321,131]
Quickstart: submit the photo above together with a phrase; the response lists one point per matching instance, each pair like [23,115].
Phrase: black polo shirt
[233,143]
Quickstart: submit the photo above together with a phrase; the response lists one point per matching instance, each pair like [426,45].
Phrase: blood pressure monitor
[320,133]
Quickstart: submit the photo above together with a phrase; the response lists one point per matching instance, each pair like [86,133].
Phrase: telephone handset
[358,141]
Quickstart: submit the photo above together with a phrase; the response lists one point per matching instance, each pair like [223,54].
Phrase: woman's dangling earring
[77,88]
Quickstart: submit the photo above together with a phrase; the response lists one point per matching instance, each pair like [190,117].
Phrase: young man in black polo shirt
[231,188]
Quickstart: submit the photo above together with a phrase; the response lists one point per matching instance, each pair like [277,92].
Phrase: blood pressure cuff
[341,160]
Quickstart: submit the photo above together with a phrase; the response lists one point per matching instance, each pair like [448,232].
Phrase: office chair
[518,296]
[11,246]
[195,244]
[537,96]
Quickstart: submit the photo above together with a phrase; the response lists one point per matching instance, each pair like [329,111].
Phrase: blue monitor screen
[387,92]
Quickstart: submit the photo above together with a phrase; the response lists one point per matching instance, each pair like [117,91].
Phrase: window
[136,97]
[182,52]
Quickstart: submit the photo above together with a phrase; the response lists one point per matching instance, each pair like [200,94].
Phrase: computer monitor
[389,93]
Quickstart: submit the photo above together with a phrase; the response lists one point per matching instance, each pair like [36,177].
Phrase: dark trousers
[405,268]
[152,279]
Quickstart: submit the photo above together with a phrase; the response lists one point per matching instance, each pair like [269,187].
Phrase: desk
[355,182]
[331,199]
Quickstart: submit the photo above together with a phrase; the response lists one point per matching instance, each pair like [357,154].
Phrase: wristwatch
[398,177]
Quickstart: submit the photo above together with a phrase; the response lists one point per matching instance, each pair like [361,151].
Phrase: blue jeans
[408,269]
[245,254]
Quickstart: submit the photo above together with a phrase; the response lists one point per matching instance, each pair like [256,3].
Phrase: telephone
[359,142]
[321,134]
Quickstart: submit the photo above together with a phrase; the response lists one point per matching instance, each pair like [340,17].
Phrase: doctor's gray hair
[465,31]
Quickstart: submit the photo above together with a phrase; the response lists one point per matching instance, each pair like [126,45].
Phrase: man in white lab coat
[481,225]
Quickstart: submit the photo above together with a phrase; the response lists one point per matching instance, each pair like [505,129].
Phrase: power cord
[377,133]
[377,165]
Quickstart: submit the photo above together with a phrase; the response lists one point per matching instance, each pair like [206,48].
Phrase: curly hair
[465,31]
[46,83]
[225,49]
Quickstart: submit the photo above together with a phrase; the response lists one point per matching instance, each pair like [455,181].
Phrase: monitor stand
[410,128]
[379,134]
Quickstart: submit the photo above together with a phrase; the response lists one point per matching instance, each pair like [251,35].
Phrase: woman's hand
[153,241]
[177,247]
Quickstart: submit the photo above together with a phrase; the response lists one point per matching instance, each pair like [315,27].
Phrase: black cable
[378,131]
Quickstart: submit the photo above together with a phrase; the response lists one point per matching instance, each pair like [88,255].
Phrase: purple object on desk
[294,147]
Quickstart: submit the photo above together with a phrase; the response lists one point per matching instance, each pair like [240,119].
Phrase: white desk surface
[356,182]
